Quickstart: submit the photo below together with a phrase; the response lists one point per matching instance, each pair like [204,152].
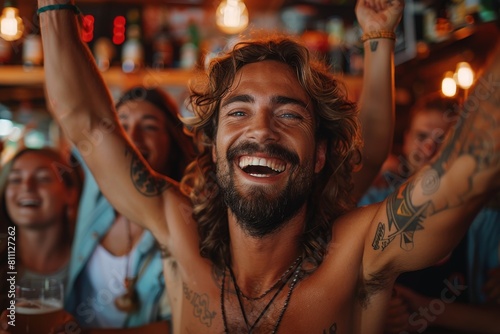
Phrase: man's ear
[214,155]
[320,156]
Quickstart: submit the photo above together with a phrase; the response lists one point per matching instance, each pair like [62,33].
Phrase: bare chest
[303,307]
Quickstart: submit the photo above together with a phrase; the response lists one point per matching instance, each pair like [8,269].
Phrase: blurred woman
[39,192]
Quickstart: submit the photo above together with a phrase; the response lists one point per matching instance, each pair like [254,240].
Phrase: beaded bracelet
[75,9]
[378,34]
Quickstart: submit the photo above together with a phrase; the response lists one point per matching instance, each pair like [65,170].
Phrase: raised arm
[428,215]
[81,103]
[377,19]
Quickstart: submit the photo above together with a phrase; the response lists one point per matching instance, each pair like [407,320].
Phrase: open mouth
[261,167]
[29,203]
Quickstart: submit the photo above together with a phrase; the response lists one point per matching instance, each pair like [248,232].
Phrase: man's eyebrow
[279,99]
[238,98]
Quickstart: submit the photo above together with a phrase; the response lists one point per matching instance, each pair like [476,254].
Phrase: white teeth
[275,165]
[259,175]
[29,202]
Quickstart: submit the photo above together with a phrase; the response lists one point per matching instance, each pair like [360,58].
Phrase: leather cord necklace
[265,293]
[283,309]
[129,301]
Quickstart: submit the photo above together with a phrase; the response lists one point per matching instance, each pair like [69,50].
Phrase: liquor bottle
[5,51]
[191,47]
[163,47]
[132,49]
[335,29]
[32,52]
[488,10]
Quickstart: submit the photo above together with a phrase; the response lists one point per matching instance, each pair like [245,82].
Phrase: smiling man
[266,242]
[265,154]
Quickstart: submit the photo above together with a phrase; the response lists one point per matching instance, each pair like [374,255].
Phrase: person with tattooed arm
[378,85]
[269,240]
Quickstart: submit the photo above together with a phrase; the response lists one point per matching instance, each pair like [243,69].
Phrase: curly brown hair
[337,124]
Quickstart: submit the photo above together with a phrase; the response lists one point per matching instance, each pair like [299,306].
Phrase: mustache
[274,150]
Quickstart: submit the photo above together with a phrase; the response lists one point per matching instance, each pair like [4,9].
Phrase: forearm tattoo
[146,183]
[373,46]
[200,303]
[473,142]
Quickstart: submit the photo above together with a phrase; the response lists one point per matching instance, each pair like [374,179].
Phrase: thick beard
[258,213]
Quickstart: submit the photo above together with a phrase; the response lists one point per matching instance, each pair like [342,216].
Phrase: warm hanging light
[448,85]
[11,25]
[465,75]
[232,16]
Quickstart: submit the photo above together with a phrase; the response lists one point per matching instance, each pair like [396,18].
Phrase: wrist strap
[75,9]
[378,34]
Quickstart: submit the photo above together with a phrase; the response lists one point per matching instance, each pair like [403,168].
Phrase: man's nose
[263,127]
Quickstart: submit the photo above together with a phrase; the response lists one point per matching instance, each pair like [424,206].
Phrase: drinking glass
[39,306]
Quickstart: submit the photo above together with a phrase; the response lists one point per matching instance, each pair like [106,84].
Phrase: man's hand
[377,15]
[403,304]
[398,314]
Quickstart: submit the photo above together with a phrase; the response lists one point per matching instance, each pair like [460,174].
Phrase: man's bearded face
[262,209]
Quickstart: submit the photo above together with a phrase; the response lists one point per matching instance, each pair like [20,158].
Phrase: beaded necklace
[283,309]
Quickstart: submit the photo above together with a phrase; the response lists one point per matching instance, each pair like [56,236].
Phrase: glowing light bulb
[448,85]
[465,75]
[232,16]
[11,25]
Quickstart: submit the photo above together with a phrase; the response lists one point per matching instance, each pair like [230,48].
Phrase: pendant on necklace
[129,301]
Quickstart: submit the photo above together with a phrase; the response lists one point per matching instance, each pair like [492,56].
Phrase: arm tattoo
[200,305]
[373,46]
[404,219]
[147,184]
[472,137]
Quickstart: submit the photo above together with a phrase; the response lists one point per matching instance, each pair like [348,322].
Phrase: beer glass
[39,306]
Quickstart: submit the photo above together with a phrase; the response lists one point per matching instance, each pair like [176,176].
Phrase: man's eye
[290,115]
[237,113]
